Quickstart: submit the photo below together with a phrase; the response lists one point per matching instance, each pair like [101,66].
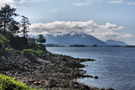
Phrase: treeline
[14,33]
[8,24]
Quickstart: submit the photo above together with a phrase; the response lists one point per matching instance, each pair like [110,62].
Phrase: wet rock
[102,89]
[110,89]
[96,77]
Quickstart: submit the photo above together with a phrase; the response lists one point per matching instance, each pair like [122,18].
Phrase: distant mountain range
[113,43]
[76,39]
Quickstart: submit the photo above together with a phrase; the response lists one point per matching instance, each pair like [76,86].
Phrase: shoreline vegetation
[26,60]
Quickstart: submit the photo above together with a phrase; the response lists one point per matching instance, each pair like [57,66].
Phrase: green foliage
[3,41]
[25,25]
[18,51]
[28,51]
[41,39]
[8,83]
[32,44]
[8,23]
[14,27]
[6,16]
[31,53]
[39,52]
[9,49]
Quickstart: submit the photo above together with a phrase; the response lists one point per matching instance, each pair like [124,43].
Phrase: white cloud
[115,2]
[89,27]
[130,3]
[10,2]
[30,1]
[87,2]
[14,3]
[125,36]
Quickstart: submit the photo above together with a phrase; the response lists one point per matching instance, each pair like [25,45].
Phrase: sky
[104,19]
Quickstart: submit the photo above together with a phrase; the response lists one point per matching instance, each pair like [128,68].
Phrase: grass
[8,83]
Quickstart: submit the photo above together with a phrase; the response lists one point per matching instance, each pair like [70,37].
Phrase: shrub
[1,42]
[31,54]
[32,44]
[8,83]
[3,39]
[30,51]
[9,48]
[39,52]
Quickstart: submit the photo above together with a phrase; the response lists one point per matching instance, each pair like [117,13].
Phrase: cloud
[130,3]
[89,27]
[30,1]
[10,2]
[115,2]
[15,3]
[121,1]
[87,2]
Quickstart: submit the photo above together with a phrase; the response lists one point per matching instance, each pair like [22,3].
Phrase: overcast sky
[104,19]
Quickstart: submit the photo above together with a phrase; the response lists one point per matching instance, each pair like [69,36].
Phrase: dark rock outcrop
[19,43]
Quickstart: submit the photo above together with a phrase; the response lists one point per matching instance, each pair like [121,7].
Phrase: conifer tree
[25,25]
[6,17]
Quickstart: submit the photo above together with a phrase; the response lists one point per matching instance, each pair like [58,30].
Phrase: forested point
[14,38]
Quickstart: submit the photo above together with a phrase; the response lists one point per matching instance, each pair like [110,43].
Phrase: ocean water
[115,66]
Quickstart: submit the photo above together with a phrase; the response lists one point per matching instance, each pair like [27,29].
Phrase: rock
[59,74]
[110,89]
[96,77]
[102,89]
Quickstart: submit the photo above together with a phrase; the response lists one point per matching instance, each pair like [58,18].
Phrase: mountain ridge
[72,39]
[114,42]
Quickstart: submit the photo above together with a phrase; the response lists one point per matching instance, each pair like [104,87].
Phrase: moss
[8,83]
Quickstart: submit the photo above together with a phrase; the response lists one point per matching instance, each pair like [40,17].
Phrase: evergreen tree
[25,25]
[41,39]
[6,16]
[14,27]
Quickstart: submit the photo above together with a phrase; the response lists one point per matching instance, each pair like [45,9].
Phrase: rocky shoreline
[51,72]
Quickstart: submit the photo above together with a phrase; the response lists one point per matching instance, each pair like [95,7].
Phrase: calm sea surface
[115,66]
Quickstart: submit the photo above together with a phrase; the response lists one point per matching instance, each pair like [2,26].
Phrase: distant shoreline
[77,45]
